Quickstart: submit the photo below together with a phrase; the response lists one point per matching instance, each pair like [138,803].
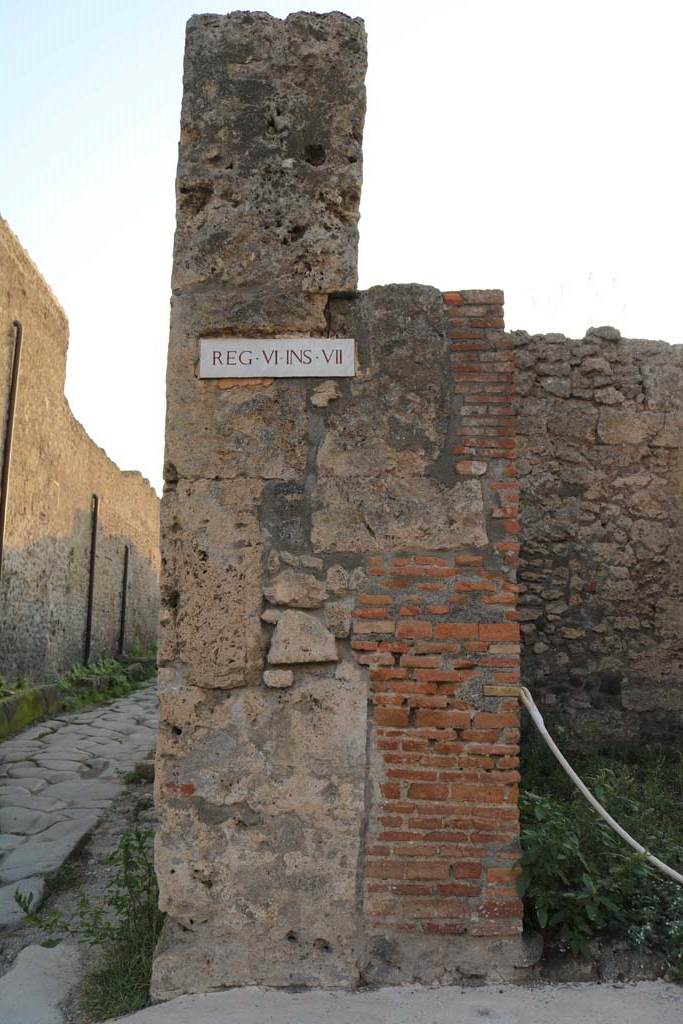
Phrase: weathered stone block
[278,678]
[672,431]
[575,421]
[662,375]
[210,429]
[397,412]
[300,590]
[325,393]
[252,861]
[389,515]
[337,580]
[300,638]
[263,156]
[338,619]
[626,426]
[212,589]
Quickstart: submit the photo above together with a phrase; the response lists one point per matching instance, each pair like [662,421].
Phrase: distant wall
[55,470]
[601,475]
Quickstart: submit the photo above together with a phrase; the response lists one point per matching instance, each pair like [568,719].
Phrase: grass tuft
[124,930]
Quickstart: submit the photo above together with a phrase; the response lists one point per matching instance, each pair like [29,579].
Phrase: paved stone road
[56,779]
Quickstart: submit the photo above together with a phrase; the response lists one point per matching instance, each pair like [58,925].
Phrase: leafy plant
[119,683]
[578,879]
[141,773]
[125,928]
[102,667]
[8,689]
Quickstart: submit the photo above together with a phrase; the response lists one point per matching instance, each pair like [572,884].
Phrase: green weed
[579,880]
[142,772]
[9,689]
[137,651]
[124,928]
[119,684]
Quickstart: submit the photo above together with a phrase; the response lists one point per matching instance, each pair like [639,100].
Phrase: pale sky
[529,145]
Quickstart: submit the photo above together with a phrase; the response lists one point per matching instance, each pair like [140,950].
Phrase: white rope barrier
[537,718]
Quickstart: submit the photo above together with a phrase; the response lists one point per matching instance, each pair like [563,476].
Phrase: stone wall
[336,766]
[55,471]
[601,468]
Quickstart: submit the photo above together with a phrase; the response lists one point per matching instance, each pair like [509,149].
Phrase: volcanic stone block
[260,787]
[386,515]
[268,893]
[269,171]
[300,590]
[625,426]
[300,638]
[211,589]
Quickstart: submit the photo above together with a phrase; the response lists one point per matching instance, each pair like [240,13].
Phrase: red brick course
[435,630]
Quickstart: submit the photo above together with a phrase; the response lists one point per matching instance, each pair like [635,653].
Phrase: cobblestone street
[56,780]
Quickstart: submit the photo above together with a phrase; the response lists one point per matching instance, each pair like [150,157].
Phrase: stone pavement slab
[56,779]
[646,1002]
[39,980]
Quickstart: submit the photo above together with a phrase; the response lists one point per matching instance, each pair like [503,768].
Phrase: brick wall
[55,470]
[439,633]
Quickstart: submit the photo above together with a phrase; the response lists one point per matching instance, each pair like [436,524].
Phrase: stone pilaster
[336,762]
[260,774]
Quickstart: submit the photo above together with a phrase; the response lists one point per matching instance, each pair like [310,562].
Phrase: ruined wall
[55,470]
[336,765]
[601,472]
[427,459]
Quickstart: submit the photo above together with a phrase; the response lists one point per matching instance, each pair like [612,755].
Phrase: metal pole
[91,579]
[9,428]
[124,594]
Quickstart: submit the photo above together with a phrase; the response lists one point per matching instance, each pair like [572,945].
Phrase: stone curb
[29,706]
